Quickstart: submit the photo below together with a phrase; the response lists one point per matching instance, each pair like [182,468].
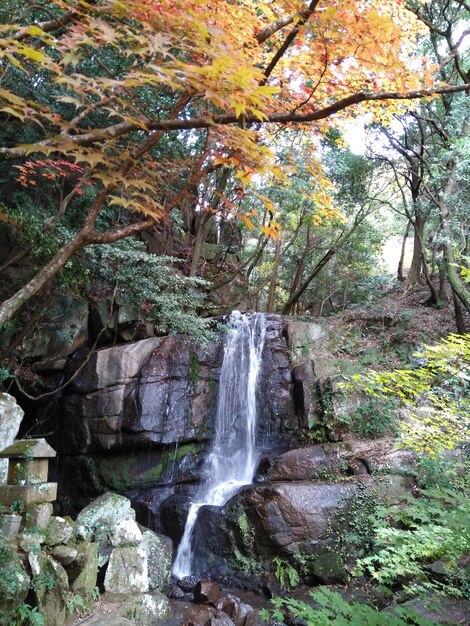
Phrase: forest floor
[384,333]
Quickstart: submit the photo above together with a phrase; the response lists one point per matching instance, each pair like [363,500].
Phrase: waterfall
[232,459]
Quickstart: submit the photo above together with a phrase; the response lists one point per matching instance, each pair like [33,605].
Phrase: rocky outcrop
[140,415]
[11,415]
[162,391]
[158,390]
[138,419]
[311,462]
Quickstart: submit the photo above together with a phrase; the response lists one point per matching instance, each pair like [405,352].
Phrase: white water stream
[232,460]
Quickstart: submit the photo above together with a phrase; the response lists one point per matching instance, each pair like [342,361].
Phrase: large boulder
[159,551]
[287,518]
[10,419]
[102,514]
[127,571]
[295,517]
[145,609]
[307,463]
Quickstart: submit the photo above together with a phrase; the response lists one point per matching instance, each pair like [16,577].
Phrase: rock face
[141,415]
[163,390]
[10,419]
[138,420]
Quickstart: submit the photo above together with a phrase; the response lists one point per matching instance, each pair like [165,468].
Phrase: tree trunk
[316,270]
[82,239]
[400,276]
[272,286]
[414,275]
[201,234]
[454,279]
[204,221]
[459,319]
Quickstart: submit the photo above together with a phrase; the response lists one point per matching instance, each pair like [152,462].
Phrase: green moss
[128,472]
[193,368]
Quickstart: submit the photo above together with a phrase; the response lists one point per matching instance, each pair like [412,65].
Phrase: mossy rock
[14,582]
[328,567]
[51,586]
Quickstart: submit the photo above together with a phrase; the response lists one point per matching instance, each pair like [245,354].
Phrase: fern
[330,609]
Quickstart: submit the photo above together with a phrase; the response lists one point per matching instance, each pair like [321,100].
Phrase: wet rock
[273,589]
[173,514]
[145,609]
[329,568]
[102,514]
[203,615]
[127,571]
[304,464]
[159,390]
[234,608]
[176,396]
[187,583]
[206,592]
[10,419]
[159,551]
[147,504]
[175,593]
[253,619]
[276,409]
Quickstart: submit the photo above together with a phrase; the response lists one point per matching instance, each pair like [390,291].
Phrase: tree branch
[226,119]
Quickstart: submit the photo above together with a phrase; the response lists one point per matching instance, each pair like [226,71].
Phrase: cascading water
[232,460]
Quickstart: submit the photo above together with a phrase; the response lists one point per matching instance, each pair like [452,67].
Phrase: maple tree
[122,76]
